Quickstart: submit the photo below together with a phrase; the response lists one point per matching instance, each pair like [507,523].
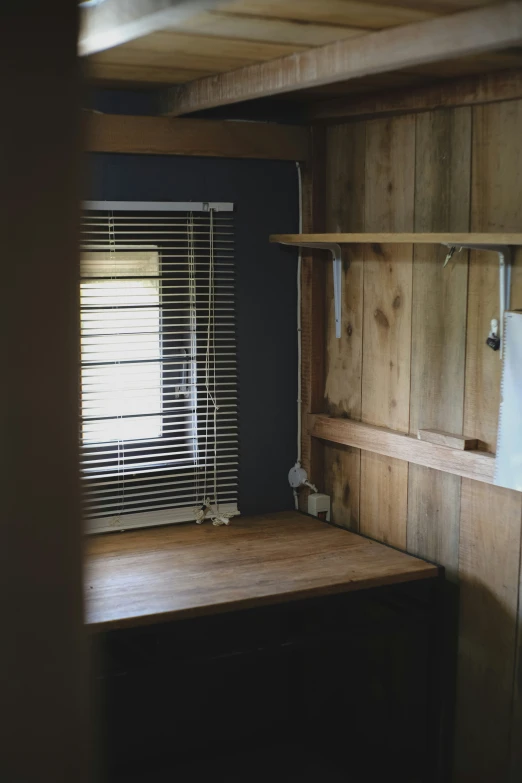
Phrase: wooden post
[43,658]
[313,310]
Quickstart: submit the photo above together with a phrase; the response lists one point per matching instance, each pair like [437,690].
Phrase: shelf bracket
[335,250]
[505,260]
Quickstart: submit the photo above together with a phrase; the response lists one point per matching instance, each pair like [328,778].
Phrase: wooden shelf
[169,573]
[477,465]
[418,238]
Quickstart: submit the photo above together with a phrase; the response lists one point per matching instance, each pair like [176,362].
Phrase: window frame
[175,514]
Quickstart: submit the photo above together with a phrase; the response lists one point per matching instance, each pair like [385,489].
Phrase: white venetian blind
[158,363]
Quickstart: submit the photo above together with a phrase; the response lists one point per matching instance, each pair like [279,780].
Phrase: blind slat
[158,354]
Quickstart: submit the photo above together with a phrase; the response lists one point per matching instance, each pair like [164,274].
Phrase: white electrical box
[319,505]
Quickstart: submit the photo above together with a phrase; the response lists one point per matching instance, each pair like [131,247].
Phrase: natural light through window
[121,346]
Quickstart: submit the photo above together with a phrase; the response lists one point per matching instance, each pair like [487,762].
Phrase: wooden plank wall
[413,354]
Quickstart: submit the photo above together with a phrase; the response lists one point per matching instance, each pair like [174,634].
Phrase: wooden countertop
[166,573]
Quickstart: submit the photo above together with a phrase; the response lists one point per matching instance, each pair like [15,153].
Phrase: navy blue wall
[266,199]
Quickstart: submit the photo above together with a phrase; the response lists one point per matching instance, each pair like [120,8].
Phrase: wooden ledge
[477,465]
[400,238]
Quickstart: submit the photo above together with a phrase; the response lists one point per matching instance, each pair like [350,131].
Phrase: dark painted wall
[265,197]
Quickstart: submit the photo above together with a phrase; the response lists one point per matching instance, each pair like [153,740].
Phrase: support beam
[169,136]
[114,22]
[477,465]
[471,91]
[464,34]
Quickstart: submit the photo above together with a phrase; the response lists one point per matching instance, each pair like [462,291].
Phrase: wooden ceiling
[243,32]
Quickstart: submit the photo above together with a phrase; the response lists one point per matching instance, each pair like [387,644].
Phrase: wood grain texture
[470,91]
[489,571]
[480,543]
[186,570]
[342,476]
[405,237]
[43,655]
[490,518]
[360,14]
[169,52]
[384,488]
[409,45]
[434,517]
[496,206]
[168,136]
[477,465]
[447,439]
[345,183]
[227,24]
[108,26]
[389,200]
[442,202]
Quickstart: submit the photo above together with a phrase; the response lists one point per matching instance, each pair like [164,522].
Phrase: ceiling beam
[464,34]
[469,91]
[203,138]
[110,23]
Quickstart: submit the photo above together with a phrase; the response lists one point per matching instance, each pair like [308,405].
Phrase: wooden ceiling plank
[352,13]
[167,136]
[466,34]
[126,74]
[113,23]
[259,28]
[488,88]
[196,52]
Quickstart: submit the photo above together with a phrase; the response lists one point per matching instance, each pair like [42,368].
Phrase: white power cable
[299,344]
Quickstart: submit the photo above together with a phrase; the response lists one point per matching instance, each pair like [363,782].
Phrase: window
[121,346]
[158,363]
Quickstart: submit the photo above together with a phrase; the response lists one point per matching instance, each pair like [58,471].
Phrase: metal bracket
[505,260]
[335,250]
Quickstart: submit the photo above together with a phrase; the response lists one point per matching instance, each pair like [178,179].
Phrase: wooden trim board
[107,25]
[465,34]
[448,440]
[169,136]
[179,571]
[402,238]
[477,465]
[482,89]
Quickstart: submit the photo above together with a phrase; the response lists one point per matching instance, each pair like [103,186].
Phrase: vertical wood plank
[389,206]
[43,651]
[345,212]
[384,493]
[342,468]
[489,571]
[387,336]
[496,206]
[442,203]
[312,311]
[490,517]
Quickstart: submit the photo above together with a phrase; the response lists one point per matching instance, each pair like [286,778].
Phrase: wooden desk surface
[154,575]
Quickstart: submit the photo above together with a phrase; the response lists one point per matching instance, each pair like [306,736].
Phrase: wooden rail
[207,138]
[477,465]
